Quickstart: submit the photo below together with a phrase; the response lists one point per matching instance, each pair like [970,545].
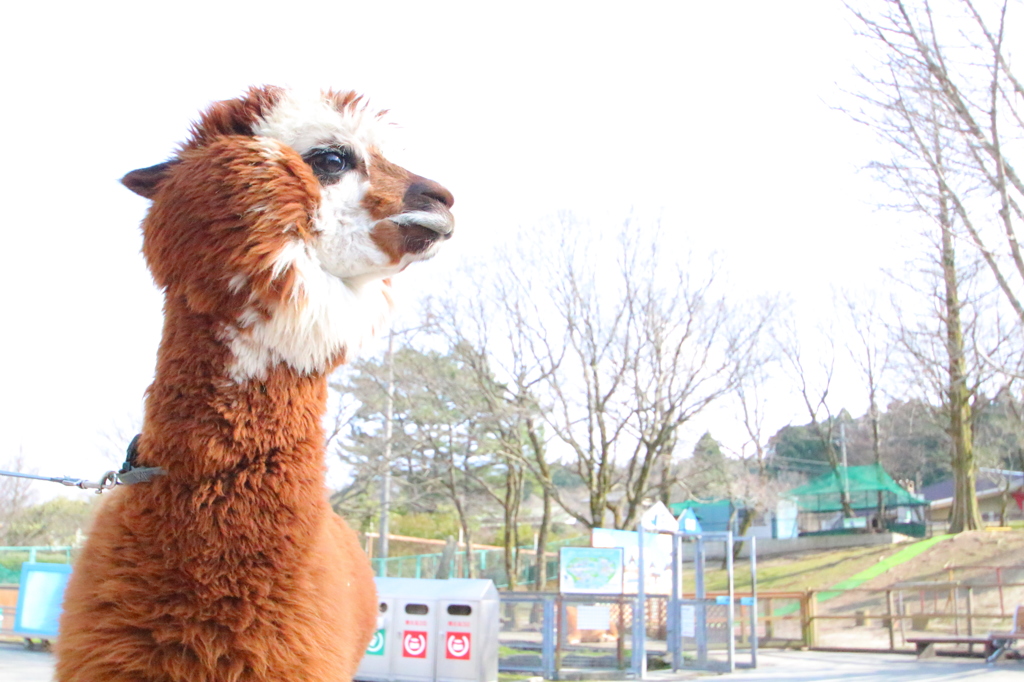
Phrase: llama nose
[422,187]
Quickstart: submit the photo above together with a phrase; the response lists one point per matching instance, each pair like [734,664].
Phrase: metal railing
[11,559]
[479,563]
[540,632]
[546,634]
[882,619]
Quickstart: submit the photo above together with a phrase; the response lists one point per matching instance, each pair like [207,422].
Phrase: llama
[273,234]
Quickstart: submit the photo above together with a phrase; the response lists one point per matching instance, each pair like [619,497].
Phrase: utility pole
[846,473]
[385,488]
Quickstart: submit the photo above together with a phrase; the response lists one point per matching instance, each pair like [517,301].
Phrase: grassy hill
[881,567]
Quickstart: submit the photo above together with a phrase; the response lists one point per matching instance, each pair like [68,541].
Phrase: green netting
[8,576]
[864,483]
[677,508]
[11,559]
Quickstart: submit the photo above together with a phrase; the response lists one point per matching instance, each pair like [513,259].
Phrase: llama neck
[201,424]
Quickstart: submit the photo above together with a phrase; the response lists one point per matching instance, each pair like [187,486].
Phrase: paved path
[816,666]
[19,665]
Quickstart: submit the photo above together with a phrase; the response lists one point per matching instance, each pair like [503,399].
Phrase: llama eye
[328,164]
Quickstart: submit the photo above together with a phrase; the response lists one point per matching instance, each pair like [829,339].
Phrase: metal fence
[883,619]
[864,619]
[570,636]
[479,563]
[563,636]
[560,636]
[11,559]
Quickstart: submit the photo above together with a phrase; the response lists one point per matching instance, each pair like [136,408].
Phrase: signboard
[40,599]
[688,615]
[590,570]
[657,556]
[594,616]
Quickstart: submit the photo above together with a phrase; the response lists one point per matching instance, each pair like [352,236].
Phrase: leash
[108,481]
[128,475]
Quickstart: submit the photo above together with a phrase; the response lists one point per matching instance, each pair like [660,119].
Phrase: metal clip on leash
[129,473]
[107,482]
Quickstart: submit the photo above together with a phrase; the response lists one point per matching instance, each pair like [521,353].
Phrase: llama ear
[145,181]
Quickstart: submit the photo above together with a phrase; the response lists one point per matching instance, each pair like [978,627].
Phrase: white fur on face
[325,317]
[339,299]
[342,225]
[343,243]
[305,120]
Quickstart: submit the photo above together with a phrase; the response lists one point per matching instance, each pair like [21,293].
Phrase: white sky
[714,115]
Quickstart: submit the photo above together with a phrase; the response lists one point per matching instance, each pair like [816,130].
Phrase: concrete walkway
[817,666]
[19,665]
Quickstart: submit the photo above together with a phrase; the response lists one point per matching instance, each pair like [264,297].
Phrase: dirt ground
[967,557]
[969,554]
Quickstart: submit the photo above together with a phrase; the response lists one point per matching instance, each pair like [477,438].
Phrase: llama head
[281,221]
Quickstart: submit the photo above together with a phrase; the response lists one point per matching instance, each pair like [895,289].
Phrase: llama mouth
[422,230]
[417,239]
[439,222]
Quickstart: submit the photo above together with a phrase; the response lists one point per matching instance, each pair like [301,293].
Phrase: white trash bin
[431,630]
[415,625]
[376,663]
[468,624]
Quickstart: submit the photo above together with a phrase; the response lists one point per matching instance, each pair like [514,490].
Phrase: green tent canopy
[864,483]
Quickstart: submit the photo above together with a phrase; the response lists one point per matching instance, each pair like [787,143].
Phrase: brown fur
[232,566]
[233,116]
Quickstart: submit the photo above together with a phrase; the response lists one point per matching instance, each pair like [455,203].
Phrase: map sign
[590,570]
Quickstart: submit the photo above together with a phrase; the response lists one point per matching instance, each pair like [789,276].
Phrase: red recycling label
[414,644]
[456,646]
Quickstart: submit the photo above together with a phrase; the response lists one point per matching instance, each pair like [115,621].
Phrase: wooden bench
[925,644]
[996,643]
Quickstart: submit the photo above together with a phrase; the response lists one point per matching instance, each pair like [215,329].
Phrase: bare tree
[752,372]
[944,353]
[649,346]
[947,61]
[871,349]
[608,348]
[948,139]
[16,496]
[813,380]
[499,336]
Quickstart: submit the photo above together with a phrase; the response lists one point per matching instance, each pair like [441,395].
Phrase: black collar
[130,473]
